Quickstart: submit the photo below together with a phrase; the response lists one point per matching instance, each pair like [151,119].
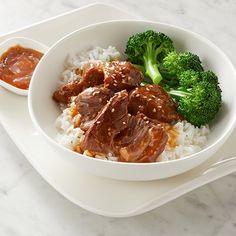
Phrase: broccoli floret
[190,77]
[148,49]
[200,99]
[209,76]
[176,63]
[197,92]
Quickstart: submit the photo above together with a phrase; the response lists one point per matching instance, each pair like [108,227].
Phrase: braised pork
[90,102]
[119,75]
[110,121]
[91,76]
[141,141]
[154,102]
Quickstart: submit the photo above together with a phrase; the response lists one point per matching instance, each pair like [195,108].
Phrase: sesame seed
[98,122]
[112,110]
[149,99]
[154,110]
[137,95]
[147,89]
[147,122]
[96,92]
[123,122]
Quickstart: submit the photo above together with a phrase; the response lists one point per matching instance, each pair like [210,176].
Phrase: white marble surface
[29,206]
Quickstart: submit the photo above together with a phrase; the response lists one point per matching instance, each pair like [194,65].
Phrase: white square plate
[99,195]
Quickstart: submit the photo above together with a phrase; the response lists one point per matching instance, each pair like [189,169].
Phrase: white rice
[68,135]
[190,139]
[96,55]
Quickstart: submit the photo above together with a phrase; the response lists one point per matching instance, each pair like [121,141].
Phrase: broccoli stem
[152,71]
[178,93]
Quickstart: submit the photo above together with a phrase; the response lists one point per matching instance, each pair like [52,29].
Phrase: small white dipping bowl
[44,111]
[23,42]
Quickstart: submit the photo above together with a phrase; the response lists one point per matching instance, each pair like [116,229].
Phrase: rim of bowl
[223,137]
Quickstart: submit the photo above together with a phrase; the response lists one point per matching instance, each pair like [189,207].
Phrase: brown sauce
[17,65]
[173,135]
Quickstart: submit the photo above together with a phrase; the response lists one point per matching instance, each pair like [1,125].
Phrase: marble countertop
[29,206]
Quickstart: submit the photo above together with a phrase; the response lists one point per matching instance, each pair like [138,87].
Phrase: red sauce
[17,65]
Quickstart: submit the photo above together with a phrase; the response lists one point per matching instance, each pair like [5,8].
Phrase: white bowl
[26,43]
[44,111]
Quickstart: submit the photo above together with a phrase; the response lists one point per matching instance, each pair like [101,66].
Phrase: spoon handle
[224,165]
[214,172]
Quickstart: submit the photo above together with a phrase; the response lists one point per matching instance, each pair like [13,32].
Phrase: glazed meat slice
[119,75]
[141,141]
[154,102]
[109,122]
[66,91]
[91,76]
[90,102]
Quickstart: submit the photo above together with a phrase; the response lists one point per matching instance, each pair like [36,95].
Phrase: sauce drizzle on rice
[181,137]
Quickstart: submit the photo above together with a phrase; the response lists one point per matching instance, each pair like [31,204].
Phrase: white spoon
[26,43]
[215,171]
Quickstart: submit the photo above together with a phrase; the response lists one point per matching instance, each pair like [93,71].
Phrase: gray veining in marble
[30,207]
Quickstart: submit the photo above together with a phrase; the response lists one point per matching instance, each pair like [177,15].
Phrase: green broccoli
[198,97]
[176,63]
[189,78]
[148,49]
[196,91]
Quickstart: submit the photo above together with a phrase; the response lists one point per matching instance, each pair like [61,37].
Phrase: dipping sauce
[17,65]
